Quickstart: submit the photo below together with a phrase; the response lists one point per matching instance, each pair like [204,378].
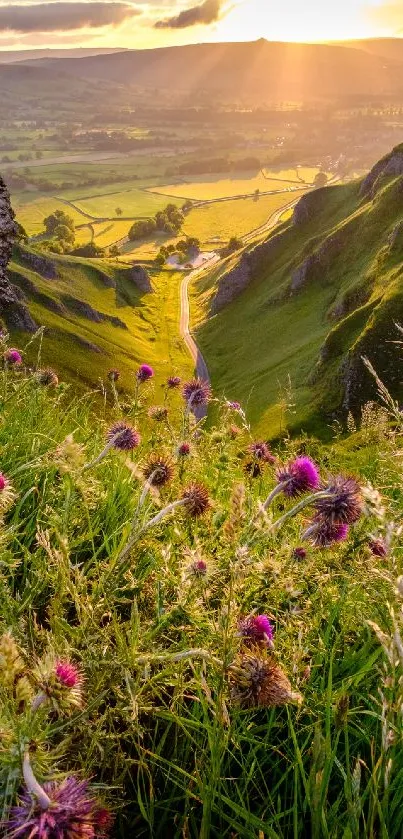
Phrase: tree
[119,211]
[320,180]
[57,219]
[114,250]
[142,228]
[64,234]
[234,244]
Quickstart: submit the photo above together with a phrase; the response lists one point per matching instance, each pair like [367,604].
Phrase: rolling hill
[287,323]
[259,71]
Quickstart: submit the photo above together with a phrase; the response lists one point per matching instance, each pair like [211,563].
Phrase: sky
[149,23]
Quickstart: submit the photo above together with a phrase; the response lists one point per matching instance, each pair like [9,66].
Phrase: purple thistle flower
[68,674]
[124,436]
[324,533]
[299,476]
[261,451]
[199,567]
[73,813]
[256,629]
[343,504]
[184,449]
[173,382]
[144,373]
[13,356]
[196,392]
[3,482]
[299,553]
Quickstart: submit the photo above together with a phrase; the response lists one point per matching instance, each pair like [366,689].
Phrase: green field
[32,213]
[133,202]
[151,320]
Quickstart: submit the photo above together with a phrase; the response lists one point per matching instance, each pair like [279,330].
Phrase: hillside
[300,310]
[260,70]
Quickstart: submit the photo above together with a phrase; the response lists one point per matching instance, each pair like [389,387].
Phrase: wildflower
[13,356]
[257,681]
[341,502]
[256,629]
[158,471]
[378,547]
[199,567]
[184,449]
[144,373]
[61,683]
[261,451]
[3,482]
[234,406]
[297,477]
[196,392]
[123,436]
[113,375]
[47,377]
[299,553]
[196,499]
[158,412]
[65,810]
[173,382]
[324,532]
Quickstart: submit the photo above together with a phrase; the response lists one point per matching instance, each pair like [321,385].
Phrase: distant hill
[14,56]
[259,71]
[390,49]
[291,319]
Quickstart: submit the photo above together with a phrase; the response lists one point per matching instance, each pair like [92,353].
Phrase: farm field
[32,213]
[209,187]
[133,202]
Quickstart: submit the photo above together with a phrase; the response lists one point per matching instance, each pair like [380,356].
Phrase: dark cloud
[62,16]
[207,12]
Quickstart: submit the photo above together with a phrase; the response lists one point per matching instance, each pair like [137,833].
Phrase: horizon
[145,24]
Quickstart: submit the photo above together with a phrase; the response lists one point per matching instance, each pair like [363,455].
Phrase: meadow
[211,187]
[203,666]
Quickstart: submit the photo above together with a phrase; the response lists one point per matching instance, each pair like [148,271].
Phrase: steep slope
[309,303]
[262,70]
[97,316]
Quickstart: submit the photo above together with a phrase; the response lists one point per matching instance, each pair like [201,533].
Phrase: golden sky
[148,23]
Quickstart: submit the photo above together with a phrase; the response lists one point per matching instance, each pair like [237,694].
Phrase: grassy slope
[152,321]
[266,336]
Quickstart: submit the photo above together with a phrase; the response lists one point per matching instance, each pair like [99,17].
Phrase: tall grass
[160,732]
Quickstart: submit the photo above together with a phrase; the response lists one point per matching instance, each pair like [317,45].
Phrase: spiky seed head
[299,476]
[256,681]
[13,356]
[184,449]
[199,568]
[378,547]
[196,498]
[196,392]
[173,382]
[47,377]
[113,375]
[260,451]
[344,502]
[124,436]
[158,412]
[325,533]
[158,470]
[256,629]
[74,813]
[144,373]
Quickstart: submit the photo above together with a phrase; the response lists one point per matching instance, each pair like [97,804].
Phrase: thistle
[113,375]
[196,499]
[47,377]
[61,684]
[341,502]
[256,629]
[297,477]
[183,449]
[65,810]
[323,533]
[378,547]
[257,681]
[11,661]
[121,436]
[173,382]
[261,452]
[196,393]
[158,412]
[13,357]
[144,373]
[158,471]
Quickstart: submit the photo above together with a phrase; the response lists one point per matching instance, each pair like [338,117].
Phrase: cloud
[63,16]
[206,13]
[389,15]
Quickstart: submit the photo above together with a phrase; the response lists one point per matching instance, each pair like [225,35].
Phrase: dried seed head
[344,502]
[257,681]
[158,412]
[196,392]
[124,437]
[113,375]
[158,470]
[196,499]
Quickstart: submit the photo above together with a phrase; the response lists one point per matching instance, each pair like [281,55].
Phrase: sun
[295,20]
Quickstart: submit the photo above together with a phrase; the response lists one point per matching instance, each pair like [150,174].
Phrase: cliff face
[12,310]
[390,165]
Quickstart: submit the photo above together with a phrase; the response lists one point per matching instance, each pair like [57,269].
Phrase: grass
[264,349]
[132,201]
[215,186]
[163,730]
[151,321]
[31,213]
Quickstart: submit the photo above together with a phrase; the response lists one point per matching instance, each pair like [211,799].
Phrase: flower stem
[310,499]
[37,701]
[270,498]
[32,784]
[103,453]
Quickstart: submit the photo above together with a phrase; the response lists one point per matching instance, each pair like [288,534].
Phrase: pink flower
[257,629]
[299,476]
[13,356]
[144,373]
[68,674]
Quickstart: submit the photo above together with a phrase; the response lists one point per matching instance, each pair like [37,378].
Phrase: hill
[14,56]
[258,71]
[299,311]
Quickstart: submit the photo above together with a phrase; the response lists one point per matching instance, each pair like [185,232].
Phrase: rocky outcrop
[26,286]
[12,310]
[309,206]
[84,310]
[42,265]
[315,265]
[141,278]
[391,165]
[304,273]
[236,280]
